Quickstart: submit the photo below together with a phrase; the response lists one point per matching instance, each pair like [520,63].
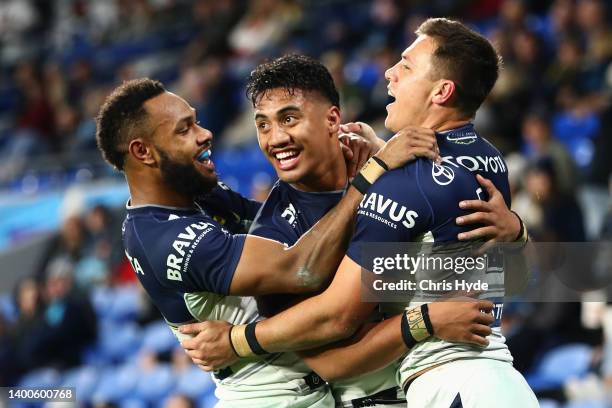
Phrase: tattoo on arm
[306,278]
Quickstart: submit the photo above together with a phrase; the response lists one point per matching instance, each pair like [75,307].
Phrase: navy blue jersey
[285,216]
[464,147]
[288,213]
[234,212]
[421,200]
[176,251]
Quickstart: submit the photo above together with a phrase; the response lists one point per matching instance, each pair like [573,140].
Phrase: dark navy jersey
[285,216]
[288,213]
[176,251]
[420,201]
[464,147]
[234,212]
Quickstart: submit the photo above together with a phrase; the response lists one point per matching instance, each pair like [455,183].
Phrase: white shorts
[321,398]
[473,383]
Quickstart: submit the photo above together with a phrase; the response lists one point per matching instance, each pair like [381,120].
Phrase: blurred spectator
[212,92]
[606,229]
[59,59]
[541,145]
[212,20]
[68,243]
[592,19]
[567,68]
[8,374]
[101,228]
[36,114]
[264,26]
[179,401]
[67,323]
[84,138]
[552,215]
[600,169]
[352,97]
[559,22]
[92,244]
[66,123]
[29,301]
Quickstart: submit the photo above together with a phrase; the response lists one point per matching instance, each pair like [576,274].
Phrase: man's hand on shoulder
[359,142]
[408,144]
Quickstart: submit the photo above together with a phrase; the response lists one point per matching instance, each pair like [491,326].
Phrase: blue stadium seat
[41,378]
[84,379]
[133,403]
[156,384]
[559,365]
[208,401]
[158,338]
[119,341]
[116,383]
[102,299]
[255,156]
[126,303]
[93,356]
[194,383]
[547,403]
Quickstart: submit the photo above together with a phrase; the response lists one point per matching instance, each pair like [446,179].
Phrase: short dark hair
[122,112]
[292,72]
[465,57]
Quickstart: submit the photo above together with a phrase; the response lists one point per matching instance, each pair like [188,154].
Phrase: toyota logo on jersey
[441,174]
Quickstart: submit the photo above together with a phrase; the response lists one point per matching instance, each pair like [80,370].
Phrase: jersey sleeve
[395,209]
[190,254]
[270,228]
[222,197]
[269,222]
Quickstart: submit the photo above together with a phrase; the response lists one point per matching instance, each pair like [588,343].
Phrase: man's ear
[141,152]
[333,120]
[444,91]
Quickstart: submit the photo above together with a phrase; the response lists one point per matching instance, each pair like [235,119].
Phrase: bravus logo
[387,209]
[182,247]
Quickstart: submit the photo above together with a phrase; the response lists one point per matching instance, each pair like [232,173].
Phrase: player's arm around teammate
[452,321]
[372,347]
[266,266]
[337,313]
[497,223]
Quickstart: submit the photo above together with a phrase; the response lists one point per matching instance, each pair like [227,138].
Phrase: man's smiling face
[182,147]
[295,133]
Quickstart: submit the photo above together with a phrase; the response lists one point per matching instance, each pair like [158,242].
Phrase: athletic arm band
[244,342]
[416,325]
[369,173]
[523,235]
[232,342]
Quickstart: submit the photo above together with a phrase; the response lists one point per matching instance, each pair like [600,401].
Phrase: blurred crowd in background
[550,114]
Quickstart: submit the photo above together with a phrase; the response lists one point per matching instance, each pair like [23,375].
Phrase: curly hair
[292,72]
[120,115]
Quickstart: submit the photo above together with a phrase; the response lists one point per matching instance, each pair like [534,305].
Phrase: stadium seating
[560,365]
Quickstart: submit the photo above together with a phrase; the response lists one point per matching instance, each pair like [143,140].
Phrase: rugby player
[440,81]
[193,266]
[297,116]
